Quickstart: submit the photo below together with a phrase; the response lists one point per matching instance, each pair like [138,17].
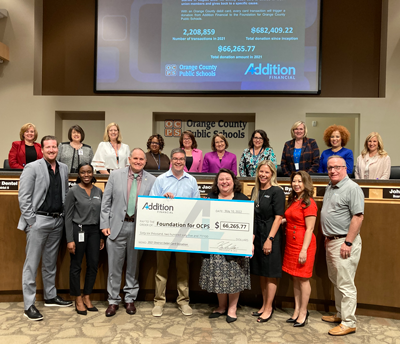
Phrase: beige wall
[19,105]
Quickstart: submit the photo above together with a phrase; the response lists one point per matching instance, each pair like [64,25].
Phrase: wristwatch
[271,238]
[348,243]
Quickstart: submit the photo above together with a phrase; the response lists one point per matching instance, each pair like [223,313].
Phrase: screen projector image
[208,46]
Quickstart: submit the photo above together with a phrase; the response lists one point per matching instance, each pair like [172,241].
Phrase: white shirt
[106,159]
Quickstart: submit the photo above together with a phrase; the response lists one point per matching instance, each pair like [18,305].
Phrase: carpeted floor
[64,325]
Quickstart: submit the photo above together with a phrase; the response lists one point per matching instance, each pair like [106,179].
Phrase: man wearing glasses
[341,219]
[174,183]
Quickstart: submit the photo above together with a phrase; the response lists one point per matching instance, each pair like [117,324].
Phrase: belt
[129,218]
[336,237]
[55,215]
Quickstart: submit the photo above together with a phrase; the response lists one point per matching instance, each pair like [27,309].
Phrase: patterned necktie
[132,196]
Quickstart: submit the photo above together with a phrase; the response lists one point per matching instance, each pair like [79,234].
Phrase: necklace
[261,194]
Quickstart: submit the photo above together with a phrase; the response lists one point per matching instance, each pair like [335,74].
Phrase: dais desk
[377,279]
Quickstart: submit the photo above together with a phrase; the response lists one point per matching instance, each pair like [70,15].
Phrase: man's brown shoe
[331,319]
[341,330]
[111,310]
[130,308]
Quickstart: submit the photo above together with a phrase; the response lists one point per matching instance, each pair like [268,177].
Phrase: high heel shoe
[91,309]
[256,314]
[80,312]
[291,320]
[297,324]
[261,320]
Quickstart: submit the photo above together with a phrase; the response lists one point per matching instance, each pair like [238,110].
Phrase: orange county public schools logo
[170,70]
[172,128]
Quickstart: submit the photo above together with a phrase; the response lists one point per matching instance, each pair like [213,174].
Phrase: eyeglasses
[336,168]
[178,159]
[155,143]
[188,139]
[257,138]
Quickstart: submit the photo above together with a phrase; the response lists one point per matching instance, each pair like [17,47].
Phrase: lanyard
[254,160]
[159,159]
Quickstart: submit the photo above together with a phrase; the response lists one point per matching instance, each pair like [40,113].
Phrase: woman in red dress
[298,260]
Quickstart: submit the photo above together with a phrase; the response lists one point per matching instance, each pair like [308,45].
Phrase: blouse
[345,153]
[157,162]
[81,208]
[73,157]
[376,167]
[248,162]
[106,159]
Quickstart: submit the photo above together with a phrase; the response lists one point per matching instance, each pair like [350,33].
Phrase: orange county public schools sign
[206,129]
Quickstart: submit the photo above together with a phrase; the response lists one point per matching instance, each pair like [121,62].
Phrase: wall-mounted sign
[71,184]
[9,185]
[287,190]
[392,193]
[206,129]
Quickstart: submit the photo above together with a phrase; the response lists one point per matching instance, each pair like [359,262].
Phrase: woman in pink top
[219,157]
[194,156]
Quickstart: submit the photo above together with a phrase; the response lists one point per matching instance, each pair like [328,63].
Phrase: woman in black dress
[225,275]
[269,208]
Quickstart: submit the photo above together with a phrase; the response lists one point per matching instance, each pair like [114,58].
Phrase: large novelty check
[194,225]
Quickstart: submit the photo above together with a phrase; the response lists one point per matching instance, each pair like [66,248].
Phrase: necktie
[132,196]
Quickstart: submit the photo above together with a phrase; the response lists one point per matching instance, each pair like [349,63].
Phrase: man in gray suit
[117,221]
[42,189]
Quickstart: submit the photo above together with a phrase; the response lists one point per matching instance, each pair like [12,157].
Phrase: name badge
[80,152]
[296,166]
[81,237]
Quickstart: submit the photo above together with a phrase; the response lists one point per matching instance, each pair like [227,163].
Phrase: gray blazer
[33,185]
[114,203]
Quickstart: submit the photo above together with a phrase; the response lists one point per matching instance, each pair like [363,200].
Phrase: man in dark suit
[42,189]
[117,221]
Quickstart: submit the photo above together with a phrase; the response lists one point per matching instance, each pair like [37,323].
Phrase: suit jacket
[197,165]
[17,157]
[115,204]
[33,185]
[212,164]
[309,158]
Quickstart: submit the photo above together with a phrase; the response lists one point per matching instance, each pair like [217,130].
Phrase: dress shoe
[230,319]
[186,310]
[291,320]
[256,314]
[80,312]
[57,302]
[331,319]
[130,308]
[91,309]
[261,320]
[297,324]
[341,330]
[157,311]
[216,315]
[111,310]
[33,314]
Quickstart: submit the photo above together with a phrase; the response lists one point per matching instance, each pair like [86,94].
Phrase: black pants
[91,246]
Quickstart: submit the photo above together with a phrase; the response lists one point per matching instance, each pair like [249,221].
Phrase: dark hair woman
[225,275]
[155,160]
[74,152]
[82,226]
[298,261]
[259,150]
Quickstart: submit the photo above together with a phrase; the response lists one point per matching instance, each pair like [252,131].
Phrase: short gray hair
[130,154]
[336,157]
[177,150]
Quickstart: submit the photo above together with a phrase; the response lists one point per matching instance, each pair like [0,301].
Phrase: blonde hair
[295,125]
[381,151]
[274,182]
[106,137]
[24,128]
